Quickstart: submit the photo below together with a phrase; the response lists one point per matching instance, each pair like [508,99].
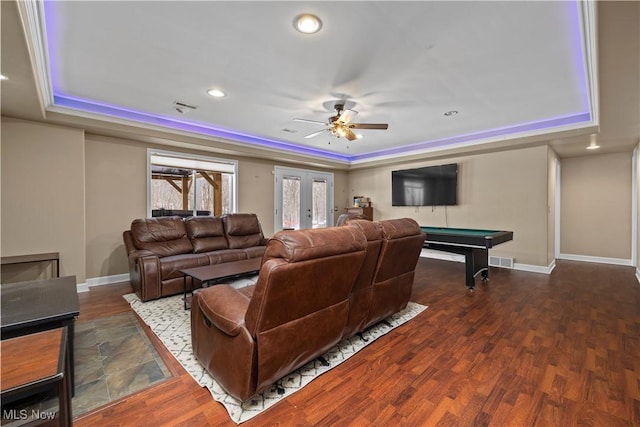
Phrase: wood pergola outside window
[203,187]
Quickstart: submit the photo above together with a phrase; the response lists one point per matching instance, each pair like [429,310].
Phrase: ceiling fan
[340,125]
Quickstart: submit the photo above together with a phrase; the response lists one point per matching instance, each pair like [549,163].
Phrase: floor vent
[496,261]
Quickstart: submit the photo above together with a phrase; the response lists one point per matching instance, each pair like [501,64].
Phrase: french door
[304,199]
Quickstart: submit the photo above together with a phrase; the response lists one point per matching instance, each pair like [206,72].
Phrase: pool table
[473,244]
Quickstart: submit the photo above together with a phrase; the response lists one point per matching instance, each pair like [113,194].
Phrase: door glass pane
[319,204]
[291,203]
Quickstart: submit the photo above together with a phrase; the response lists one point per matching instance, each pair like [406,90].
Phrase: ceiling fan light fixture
[341,131]
[307,23]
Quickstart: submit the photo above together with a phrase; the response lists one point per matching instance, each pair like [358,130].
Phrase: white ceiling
[511,70]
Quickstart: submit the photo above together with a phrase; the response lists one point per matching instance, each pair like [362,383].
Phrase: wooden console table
[29,258]
[366,212]
[34,361]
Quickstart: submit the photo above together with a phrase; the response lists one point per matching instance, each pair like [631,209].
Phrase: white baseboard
[431,253]
[535,268]
[597,259]
[104,280]
[638,274]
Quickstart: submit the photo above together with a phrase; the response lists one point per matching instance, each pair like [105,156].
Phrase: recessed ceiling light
[307,23]
[216,93]
[593,145]
[451,113]
[3,77]
[359,136]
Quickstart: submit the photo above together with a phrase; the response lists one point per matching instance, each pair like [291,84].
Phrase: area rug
[167,319]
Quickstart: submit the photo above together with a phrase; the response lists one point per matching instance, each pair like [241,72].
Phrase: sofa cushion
[163,236]
[255,251]
[225,255]
[243,230]
[206,233]
[170,266]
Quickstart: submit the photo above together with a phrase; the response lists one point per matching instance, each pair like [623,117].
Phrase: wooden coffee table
[211,274]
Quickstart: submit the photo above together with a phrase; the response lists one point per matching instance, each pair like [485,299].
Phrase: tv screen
[428,186]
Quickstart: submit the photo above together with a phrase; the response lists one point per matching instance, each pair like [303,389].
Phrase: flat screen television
[428,186]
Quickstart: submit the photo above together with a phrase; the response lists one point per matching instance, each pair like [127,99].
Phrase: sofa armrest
[139,253]
[224,306]
[144,274]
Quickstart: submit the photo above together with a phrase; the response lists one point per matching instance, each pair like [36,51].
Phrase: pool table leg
[469,270]
[481,263]
[476,262]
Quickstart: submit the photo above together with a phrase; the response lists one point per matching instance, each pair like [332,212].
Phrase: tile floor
[113,358]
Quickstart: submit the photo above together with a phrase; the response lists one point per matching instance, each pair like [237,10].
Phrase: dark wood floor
[527,349]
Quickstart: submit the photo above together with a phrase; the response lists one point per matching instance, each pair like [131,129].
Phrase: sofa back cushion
[206,233]
[393,279]
[300,304]
[163,236]
[243,230]
[360,299]
[403,242]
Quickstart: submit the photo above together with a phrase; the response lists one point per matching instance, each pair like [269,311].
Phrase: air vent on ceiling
[183,107]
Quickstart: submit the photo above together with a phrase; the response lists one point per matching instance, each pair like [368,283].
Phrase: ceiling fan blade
[311,135]
[308,121]
[368,126]
[347,116]
[350,135]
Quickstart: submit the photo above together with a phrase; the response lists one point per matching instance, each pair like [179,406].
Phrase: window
[183,184]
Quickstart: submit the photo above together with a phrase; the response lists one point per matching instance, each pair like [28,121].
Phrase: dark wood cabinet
[366,212]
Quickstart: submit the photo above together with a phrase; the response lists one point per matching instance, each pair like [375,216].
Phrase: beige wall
[43,202]
[62,193]
[116,194]
[500,191]
[596,206]
[116,190]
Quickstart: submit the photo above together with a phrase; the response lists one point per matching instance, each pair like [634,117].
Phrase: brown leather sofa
[384,284]
[158,248]
[315,288]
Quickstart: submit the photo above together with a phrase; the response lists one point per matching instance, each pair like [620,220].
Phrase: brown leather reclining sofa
[158,248]
[315,288]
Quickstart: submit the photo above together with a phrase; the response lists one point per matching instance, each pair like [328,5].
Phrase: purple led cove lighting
[50,30]
[576,34]
[573,14]
[511,130]
[139,117]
